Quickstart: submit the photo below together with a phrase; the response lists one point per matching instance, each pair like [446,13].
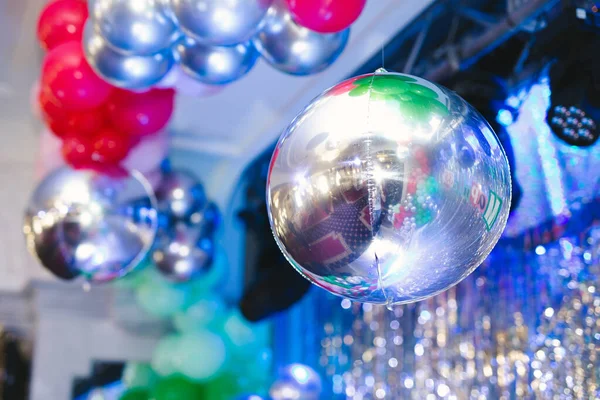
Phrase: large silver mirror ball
[388,189]
[89,224]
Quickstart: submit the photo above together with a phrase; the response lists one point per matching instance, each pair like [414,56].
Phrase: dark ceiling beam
[469,52]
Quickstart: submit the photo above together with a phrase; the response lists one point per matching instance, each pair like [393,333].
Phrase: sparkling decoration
[296,382]
[294,49]
[80,222]
[388,189]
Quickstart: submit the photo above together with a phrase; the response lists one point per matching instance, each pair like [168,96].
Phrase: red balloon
[325,16]
[61,21]
[71,123]
[71,80]
[78,151]
[141,114]
[110,146]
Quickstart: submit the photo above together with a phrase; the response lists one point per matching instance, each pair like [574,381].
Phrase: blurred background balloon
[250,397]
[297,382]
[135,394]
[326,16]
[140,114]
[61,21]
[69,79]
[204,20]
[163,357]
[139,375]
[183,253]
[201,355]
[243,336]
[294,49]
[134,27]
[125,71]
[176,388]
[75,225]
[161,299]
[180,194]
[215,65]
[206,311]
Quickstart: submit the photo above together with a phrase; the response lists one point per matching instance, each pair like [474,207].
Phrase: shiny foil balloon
[137,27]
[388,189]
[180,195]
[216,65]
[183,254]
[294,49]
[220,22]
[80,222]
[121,70]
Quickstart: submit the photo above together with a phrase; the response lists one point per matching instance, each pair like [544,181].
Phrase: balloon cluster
[184,247]
[138,44]
[212,352]
[98,123]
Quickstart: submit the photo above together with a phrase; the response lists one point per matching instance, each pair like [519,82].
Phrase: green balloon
[177,388]
[243,336]
[205,312]
[164,356]
[138,375]
[223,387]
[135,394]
[162,299]
[201,355]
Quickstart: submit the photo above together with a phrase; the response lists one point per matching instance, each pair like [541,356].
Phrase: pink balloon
[49,154]
[148,153]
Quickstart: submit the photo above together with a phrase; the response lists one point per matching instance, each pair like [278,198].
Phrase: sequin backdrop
[526,324]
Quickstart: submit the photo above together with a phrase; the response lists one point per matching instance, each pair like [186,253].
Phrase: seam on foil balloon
[371,183]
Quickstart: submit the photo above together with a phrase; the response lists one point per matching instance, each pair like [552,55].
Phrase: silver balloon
[388,189]
[294,49]
[296,382]
[183,254]
[215,65]
[125,71]
[136,27]
[220,22]
[80,222]
[180,195]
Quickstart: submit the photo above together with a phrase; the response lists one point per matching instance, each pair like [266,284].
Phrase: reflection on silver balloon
[216,65]
[183,254]
[125,71]
[138,27]
[180,194]
[80,222]
[296,382]
[294,49]
[220,22]
[388,189]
